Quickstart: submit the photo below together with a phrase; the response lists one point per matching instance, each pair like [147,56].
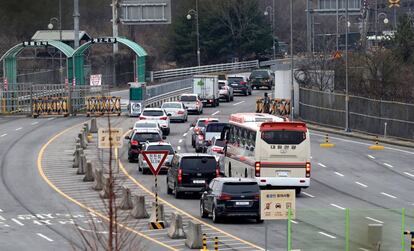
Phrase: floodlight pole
[76,16]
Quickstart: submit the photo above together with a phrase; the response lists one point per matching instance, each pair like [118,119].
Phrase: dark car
[191,173]
[261,78]
[231,197]
[240,85]
[137,138]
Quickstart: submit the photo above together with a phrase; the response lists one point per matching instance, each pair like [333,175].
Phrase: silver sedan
[177,110]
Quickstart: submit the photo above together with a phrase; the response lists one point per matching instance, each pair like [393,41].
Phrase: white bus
[269,148]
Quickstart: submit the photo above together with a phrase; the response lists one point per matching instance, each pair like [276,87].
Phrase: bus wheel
[245,173]
[298,190]
[230,169]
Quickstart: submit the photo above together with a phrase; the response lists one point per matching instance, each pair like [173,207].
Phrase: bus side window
[253,137]
[231,138]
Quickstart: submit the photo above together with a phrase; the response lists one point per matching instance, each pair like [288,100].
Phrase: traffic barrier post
[157,218]
[98,176]
[138,210]
[216,243]
[205,242]
[326,144]
[176,230]
[50,106]
[376,146]
[126,202]
[88,172]
[411,235]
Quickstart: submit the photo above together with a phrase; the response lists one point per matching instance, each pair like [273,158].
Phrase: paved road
[347,176]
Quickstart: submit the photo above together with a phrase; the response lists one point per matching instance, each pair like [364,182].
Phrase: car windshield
[171,105]
[283,137]
[188,98]
[234,80]
[241,188]
[162,147]
[222,86]
[199,164]
[154,113]
[145,125]
[259,74]
[147,136]
[215,127]
[220,143]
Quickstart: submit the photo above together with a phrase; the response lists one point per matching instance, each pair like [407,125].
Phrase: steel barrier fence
[188,71]
[366,115]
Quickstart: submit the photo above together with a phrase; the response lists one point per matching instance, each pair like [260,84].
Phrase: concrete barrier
[77,158]
[138,207]
[82,165]
[104,194]
[82,141]
[86,126]
[77,145]
[94,127]
[161,215]
[194,236]
[176,230]
[98,176]
[88,172]
[85,136]
[126,202]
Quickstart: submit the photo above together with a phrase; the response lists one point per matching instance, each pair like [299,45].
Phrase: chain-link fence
[366,115]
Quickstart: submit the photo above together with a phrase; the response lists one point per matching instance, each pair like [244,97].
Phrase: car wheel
[177,194]
[192,142]
[298,191]
[169,190]
[216,218]
[218,103]
[245,93]
[258,220]
[203,212]
[167,132]
[197,150]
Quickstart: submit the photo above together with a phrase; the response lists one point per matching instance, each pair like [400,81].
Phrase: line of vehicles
[232,161]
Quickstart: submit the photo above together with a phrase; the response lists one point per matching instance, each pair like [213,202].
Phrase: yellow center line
[121,166]
[46,179]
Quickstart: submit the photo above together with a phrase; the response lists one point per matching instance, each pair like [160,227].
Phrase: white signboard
[275,204]
[96,80]
[108,138]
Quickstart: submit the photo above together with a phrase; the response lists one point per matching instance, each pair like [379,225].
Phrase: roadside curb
[391,141]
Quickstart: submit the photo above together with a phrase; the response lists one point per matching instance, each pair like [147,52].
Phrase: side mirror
[169,114]
[164,137]
[127,137]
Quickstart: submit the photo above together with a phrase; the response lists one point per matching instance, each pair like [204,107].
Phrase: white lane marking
[386,164]
[3,135]
[361,184]
[327,235]
[374,220]
[238,103]
[339,174]
[334,205]
[185,134]
[322,165]
[50,118]
[363,249]
[180,141]
[370,156]
[311,157]
[2,218]
[217,112]
[389,195]
[17,129]
[362,143]
[17,222]
[34,123]
[44,237]
[409,174]
[294,221]
[1,210]
[179,148]
[308,194]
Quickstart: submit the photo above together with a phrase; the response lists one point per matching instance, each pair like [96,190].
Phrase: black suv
[231,197]
[191,172]
[261,78]
[137,138]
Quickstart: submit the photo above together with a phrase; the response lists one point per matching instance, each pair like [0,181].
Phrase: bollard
[76,159]
[77,145]
[82,164]
[138,210]
[98,176]
[87,132]
[216,243]
[88,172]
[176,230]
[326,144]
[104,194]
[157,218]
[94,127]
[85,136]
[194,236]
[126,202]
[205,242]
[376,146]
[86,126]
[82,141]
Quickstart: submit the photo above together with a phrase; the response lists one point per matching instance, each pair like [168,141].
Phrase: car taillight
[224,196]
[180,112]
[218,171]
[217,149]
[142,118]
[242,83]
[200,137]
[257,197]
[308,169]
[180,175]
[257,169]
[134,142]
[164,118]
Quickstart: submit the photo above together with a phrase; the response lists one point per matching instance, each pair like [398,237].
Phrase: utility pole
[273,29]
[76,16]
[346,70]
[337,25]
[308,26]
[60,39]
[198,35]
[115,23]
[292,101]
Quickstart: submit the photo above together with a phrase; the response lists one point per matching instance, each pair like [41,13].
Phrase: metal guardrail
[173,73]
[157,101]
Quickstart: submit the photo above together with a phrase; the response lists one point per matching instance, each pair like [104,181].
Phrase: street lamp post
[272,17]
[50,27]
[347,129]
[377,18]
[195,13]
